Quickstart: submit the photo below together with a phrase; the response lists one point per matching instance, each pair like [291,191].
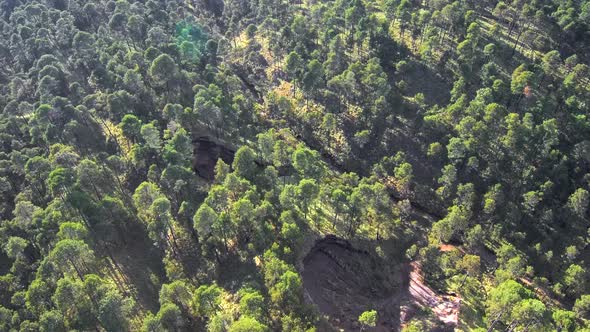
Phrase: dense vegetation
[402,126]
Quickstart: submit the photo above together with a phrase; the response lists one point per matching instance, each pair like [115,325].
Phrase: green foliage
[163,70]
[151,136]
[582,306]
[399,125]
[575,279]
[252,304]
[247,324]
[565,320]
[131,126]
[368,318]
[245,163]
[207,299]
[511,299]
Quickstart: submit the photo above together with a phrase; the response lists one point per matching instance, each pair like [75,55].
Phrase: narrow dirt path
[445,307]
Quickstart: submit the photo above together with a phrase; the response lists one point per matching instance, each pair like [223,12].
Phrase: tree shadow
[422,79]
[141,264]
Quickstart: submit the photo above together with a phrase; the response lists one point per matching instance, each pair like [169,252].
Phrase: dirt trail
[446,308]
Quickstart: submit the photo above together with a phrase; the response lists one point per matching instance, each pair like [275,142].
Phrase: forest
[298,166]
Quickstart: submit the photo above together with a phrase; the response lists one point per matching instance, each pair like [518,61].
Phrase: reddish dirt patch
[445,307]
[448,247]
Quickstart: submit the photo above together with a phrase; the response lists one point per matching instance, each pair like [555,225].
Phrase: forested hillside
[309,165]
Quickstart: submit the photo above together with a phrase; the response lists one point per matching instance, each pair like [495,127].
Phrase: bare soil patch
[444,307]
[343,281]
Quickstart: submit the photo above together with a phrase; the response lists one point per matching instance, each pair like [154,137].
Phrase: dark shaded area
[215,6]
[247,83]
[436,91]
[343,282]
[141,264]
[207,152]
[5,263]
